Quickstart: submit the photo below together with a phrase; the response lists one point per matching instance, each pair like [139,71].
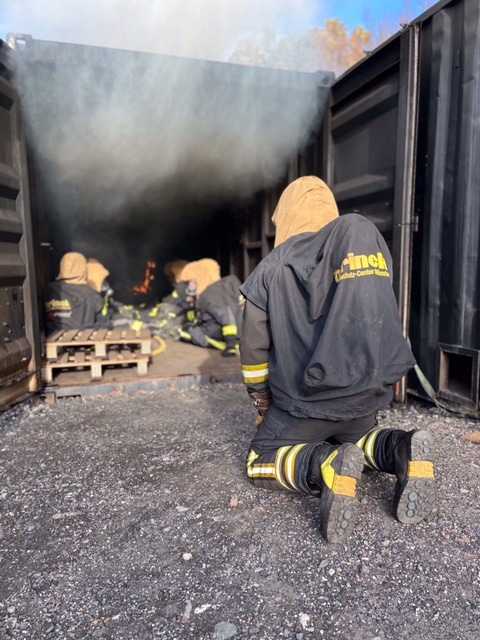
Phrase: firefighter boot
[340,469]
[410,456]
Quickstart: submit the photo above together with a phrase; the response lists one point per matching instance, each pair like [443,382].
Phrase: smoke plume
[120,124]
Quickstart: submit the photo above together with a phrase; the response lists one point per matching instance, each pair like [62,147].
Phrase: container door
[372,148]
[19,333]
[445,310]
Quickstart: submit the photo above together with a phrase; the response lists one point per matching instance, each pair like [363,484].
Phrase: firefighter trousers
[286,451]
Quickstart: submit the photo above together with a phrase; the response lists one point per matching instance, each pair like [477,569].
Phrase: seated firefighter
[176,308]
[70,303]
[321,347]
[218,308]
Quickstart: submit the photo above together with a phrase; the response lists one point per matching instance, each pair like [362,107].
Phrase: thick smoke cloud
[122,124]
[206,29]
[145,131]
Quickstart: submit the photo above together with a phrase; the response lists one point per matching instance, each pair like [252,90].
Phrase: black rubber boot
[340,469]
[410,456]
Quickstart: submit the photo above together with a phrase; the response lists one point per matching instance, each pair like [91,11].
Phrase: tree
[330,47]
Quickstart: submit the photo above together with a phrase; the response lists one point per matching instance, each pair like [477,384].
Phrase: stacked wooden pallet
[97,349]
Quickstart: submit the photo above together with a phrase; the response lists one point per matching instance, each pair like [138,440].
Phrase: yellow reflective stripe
[184,334]
[174,294]
[420,469]
[289,465]
[254,367]
[367,443]
[216,344]
[259,470]
[279,477]
[262,471]
[229,330]
[253,374]
[137,325]
[190,316]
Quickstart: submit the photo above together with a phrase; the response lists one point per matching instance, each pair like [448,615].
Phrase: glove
[262,401]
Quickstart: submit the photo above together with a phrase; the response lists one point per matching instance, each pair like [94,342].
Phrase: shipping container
[20,339]
[403,138]
[396,137]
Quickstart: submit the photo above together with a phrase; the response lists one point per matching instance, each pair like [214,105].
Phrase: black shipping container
[404,145]
[399,143]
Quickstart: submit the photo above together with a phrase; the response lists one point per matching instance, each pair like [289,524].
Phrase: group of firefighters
[202,308]
[321,346]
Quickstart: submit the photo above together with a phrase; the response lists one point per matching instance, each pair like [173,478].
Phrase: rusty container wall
[445,309]
[371,149]
[19,334]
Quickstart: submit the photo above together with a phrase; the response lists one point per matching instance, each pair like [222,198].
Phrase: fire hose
[160,347]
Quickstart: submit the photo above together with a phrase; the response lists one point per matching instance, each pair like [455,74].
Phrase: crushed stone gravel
[130,517]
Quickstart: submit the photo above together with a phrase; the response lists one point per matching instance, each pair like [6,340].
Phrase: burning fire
[147,278]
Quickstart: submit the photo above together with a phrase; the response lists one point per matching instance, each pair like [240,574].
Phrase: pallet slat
[95,349]
[79,359]
[100,339]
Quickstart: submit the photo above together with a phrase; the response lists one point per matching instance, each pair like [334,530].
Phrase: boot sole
[339,511]
[415,496]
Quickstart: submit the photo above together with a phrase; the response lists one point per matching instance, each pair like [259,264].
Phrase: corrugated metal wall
[445,314]
[19,335]
[371,147]
[404,151]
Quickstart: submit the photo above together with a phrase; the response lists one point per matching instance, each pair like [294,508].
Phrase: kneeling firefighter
[321,347]
[218,307]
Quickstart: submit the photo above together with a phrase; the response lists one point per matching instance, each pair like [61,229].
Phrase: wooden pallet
[98,339]
[83,359]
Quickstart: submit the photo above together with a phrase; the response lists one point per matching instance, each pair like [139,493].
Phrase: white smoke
[205,29]
[119,125]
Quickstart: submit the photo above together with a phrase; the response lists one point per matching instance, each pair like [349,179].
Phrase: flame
[147,278]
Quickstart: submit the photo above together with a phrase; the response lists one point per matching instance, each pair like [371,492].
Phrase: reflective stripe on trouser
[285,468]
[367,443]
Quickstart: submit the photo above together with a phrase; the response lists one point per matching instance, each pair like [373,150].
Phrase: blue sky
[356,12]
[201,28]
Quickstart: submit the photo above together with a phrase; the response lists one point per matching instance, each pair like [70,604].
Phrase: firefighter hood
[205,272]
[173,270]
[73,268]
[96,274]
[307,204]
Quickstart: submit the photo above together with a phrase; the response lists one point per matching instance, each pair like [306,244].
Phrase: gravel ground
[130,517]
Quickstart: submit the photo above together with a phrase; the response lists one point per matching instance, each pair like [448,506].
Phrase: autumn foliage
[330,47]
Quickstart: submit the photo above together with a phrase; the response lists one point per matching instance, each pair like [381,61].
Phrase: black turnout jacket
[321,325]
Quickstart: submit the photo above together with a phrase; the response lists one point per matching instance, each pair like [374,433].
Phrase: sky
[207,29]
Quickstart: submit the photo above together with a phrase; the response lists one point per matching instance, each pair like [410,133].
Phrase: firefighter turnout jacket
[321,327]
[219,310]
[70,303]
